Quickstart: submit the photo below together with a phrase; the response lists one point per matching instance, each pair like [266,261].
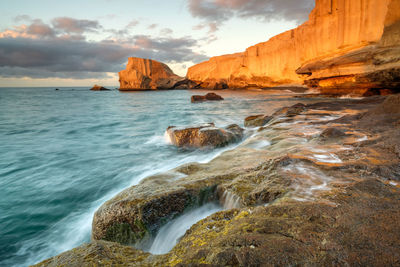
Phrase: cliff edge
[145,74]
[344,45]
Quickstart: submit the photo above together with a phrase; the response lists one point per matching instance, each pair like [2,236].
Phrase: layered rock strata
[344,46]
[146,74]
[326,191]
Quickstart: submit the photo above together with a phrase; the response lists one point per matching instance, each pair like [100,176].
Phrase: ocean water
[64,153]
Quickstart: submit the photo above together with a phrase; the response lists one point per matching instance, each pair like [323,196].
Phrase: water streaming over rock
[169,235]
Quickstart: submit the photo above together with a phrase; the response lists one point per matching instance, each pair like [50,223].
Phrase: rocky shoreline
[316,184]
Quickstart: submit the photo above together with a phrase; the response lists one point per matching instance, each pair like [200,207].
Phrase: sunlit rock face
[344,44]
[143,74]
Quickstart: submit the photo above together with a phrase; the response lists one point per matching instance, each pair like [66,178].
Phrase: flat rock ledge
[351,220]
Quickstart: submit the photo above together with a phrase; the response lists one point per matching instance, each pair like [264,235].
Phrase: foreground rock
[204,136]
[207,97]
[146,74]
[302,201]
[257,120]
[99,88]
[342,48]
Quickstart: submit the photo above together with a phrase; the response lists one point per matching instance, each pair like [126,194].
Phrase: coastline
[329,168]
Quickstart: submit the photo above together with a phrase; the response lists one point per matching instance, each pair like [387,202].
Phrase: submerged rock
[99,88]
[204,136]
[207,97]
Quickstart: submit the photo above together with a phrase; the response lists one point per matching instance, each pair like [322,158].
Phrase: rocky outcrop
[146,74]
[295,206]
[99,88]
[204,136]
[207,97]
[345,45]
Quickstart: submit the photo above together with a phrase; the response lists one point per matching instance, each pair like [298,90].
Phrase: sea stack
[147,74]
[344,46]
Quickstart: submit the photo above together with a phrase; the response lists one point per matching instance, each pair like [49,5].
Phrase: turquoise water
[63,153]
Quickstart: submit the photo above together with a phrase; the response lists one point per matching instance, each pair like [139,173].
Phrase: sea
[64,152]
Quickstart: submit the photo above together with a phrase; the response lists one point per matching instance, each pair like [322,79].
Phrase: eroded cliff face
[144,74]
[344,44]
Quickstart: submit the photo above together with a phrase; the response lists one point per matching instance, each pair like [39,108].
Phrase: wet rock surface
[207,97]
[302,200]
[257,120]
[204,136]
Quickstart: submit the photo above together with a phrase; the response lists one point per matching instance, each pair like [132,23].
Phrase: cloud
[132,24]
[219,11]
[152,26]
[166,31]
[61,50]
[78,26]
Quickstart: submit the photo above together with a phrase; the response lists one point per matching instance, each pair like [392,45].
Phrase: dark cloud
[40,51]
[218,11]
[71,25]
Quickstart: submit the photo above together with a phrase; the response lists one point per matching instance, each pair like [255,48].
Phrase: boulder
[99,88]
[147,74]
[257,120]
[209,97]
[206,135]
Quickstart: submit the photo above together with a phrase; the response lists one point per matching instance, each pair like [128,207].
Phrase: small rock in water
[209,97]
[206,135]
[99,88]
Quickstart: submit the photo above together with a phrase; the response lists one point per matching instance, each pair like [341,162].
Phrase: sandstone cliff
[344,44]
[144,74]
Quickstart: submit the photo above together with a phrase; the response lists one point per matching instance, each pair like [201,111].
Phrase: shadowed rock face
[344,46]
[204,136]
[145,74]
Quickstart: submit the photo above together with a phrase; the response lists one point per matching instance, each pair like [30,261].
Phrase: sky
[87,42]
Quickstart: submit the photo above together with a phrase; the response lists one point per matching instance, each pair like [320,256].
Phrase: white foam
[327,158]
